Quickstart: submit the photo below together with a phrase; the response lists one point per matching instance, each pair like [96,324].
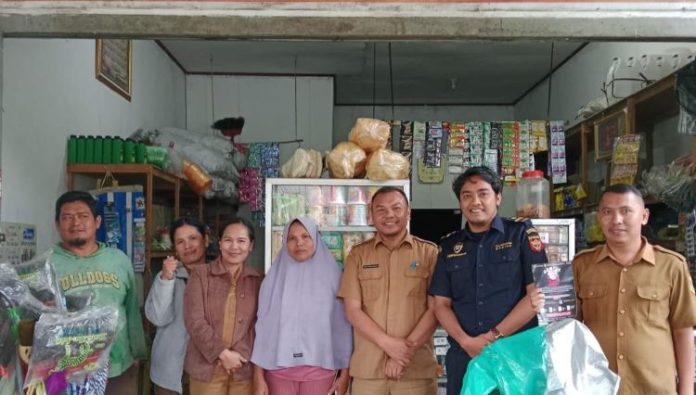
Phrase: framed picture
[113,65]
[606,130]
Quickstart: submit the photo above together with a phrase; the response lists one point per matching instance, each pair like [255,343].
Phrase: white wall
[580,79]
[50,92]
[268,107]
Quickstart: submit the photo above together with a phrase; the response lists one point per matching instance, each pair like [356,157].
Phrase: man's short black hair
[485,173]
[387,189]
[621,189]
[76,196]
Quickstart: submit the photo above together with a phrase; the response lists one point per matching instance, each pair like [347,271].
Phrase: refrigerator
[340,208]
[558,236]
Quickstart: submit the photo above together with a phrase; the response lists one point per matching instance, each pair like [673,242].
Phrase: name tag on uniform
[370,266]
[502,246]
[456,255]
[297,355]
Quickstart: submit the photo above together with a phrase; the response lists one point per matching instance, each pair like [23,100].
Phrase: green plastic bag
[156,156]
[514,365]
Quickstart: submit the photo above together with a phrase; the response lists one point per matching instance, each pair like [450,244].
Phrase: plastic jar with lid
[533,195]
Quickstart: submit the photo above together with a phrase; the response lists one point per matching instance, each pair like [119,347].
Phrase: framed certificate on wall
[606,130]
[113,65]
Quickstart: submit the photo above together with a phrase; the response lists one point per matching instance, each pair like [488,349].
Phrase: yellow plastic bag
[370,134]
[387,165]
[346,160]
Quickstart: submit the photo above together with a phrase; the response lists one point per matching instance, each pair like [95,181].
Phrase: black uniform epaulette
[670,252]
[448,235]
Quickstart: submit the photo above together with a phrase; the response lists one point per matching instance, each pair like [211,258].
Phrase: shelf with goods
[339,206]
[648,113]
[641,111]
[157,186]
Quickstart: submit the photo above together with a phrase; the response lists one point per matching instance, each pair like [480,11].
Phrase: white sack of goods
[387,165]
[303,164]
[222,189]
[370,134]
[346,160]
[213,153]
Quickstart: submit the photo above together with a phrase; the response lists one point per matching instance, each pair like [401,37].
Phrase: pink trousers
[280,386]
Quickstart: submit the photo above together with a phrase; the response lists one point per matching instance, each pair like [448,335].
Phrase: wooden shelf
[129,174]
[155,183]
[650,105]
[571,212]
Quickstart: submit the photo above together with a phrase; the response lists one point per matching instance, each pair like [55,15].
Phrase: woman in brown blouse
[220,313]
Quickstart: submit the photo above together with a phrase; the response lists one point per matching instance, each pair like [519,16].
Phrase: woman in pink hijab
[303,340]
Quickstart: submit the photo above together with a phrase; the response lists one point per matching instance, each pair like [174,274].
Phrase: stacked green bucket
[105,150]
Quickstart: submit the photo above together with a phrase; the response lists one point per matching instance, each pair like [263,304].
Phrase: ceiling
[423,72]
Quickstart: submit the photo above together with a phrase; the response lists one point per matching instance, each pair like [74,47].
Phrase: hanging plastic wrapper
[10,382]
[68,347]
[686,96]
[22,296]
[40,276]
[561,358]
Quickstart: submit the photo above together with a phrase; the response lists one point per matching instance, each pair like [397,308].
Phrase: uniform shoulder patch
[670,252]
[535,243]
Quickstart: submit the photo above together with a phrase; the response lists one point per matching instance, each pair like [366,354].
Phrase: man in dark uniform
[483,275]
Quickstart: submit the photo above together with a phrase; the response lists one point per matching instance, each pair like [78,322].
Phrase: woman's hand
[168,268]
[340,385]
[260,386]
[231,360]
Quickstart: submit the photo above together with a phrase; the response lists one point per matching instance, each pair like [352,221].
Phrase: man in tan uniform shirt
[384,290]
[638,300]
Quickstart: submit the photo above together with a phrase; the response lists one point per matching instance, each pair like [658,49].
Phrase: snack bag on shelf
[370,134]
[387,165]
[346,160]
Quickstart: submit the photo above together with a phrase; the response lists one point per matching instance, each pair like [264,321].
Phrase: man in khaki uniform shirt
[384,290]
[638,300]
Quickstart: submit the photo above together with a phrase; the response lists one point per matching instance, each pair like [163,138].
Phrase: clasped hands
[400,352]
[231,361]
